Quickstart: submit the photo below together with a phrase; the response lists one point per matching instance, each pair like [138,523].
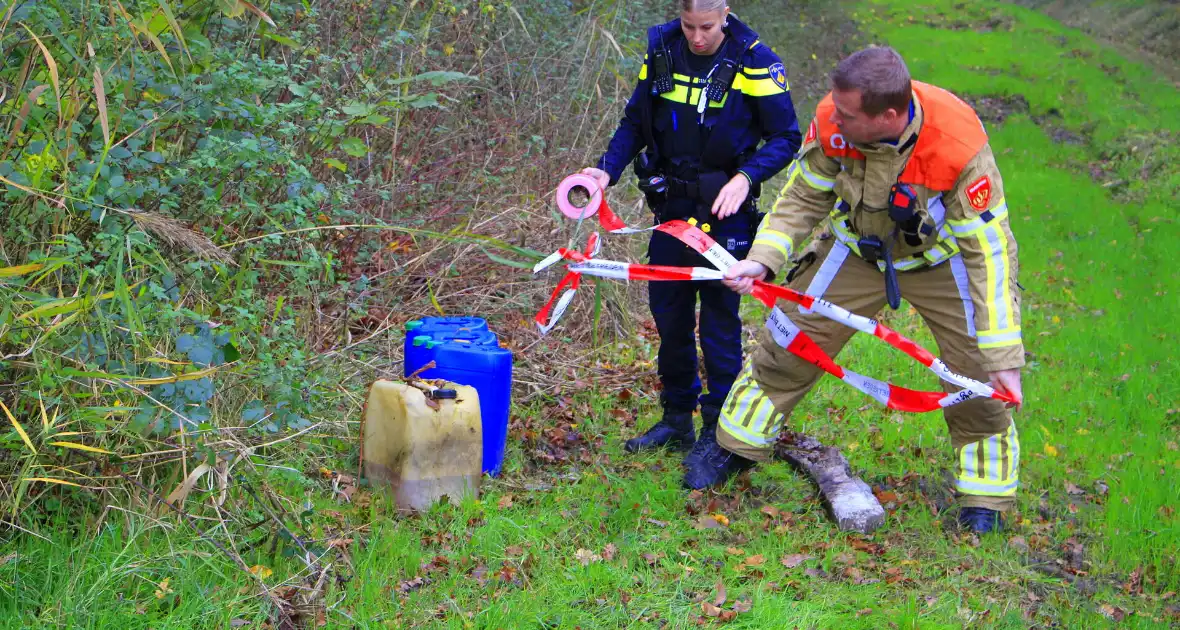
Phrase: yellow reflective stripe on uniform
[983,488]
[817,181]
[999,339]
[778,240]
[690,94]
[839,222]
[990,467]
[748,415]
[969,227]
[758,87]
[943,251]
[998,292]
[679,94]
[643,70]
[792,175]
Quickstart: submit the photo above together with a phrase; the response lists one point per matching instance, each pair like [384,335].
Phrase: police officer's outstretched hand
[741,276]
[732,196]
[598,174]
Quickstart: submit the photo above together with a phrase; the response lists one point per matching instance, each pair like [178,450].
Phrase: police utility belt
[703,188]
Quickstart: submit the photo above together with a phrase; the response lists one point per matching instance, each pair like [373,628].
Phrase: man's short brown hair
[881,77]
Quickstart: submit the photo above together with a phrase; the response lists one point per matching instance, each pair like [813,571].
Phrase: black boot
[980,520]
[708,439]
[674,430]
[715,468]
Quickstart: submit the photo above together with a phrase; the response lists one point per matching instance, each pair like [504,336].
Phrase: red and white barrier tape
[782,329]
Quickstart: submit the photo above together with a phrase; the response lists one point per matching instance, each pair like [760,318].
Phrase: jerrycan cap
[414,324]
[442,394]
[421,340]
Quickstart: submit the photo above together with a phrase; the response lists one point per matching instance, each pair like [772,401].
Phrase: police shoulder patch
[979,193]
[778,74]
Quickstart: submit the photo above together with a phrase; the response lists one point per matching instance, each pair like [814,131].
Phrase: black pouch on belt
[710,184]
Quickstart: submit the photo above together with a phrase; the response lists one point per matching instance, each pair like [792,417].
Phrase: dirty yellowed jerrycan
[423,440]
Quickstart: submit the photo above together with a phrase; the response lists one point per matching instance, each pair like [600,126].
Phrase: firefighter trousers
[773,381]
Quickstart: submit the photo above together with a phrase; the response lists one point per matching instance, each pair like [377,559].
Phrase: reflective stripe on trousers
[991,466]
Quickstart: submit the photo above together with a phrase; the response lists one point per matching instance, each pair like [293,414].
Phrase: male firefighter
[915,207]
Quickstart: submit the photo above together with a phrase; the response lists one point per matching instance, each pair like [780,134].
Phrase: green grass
[608,539]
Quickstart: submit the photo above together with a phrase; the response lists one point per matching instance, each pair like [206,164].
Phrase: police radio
[661,69]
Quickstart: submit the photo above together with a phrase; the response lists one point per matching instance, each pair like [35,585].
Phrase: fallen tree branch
[849,501]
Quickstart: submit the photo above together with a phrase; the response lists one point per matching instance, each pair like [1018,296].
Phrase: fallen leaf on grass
[755,561]
[1051,450]
[734,551]
[505,502]
[1018,543]
[886,496]
[743,606]
[1134,583]
[164,589]
[707,521]
[719,599]
[585,556]
[652,558]
[609,552]
[771,511]
[1112,612]
[514,550]
[1073,490]
[864,611]
[507,572]
[793,560]
[870,548]
[409,586]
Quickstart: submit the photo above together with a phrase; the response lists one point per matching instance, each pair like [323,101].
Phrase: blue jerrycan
[421,348]
[464,351]
[418,348]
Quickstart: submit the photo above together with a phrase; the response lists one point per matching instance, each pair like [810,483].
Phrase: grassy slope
[1099,299]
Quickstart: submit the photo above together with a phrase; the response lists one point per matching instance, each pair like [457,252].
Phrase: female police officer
[709,92]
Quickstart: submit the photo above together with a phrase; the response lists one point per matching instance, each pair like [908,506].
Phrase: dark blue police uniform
[699,121]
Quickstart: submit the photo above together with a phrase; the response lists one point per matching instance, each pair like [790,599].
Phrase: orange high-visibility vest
[950,136]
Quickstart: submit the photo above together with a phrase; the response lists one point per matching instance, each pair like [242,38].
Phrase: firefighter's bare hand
[598,174]
[732,196]
[741,276]
[1008,382]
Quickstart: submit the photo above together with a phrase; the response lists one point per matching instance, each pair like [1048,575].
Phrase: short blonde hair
[703,6]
